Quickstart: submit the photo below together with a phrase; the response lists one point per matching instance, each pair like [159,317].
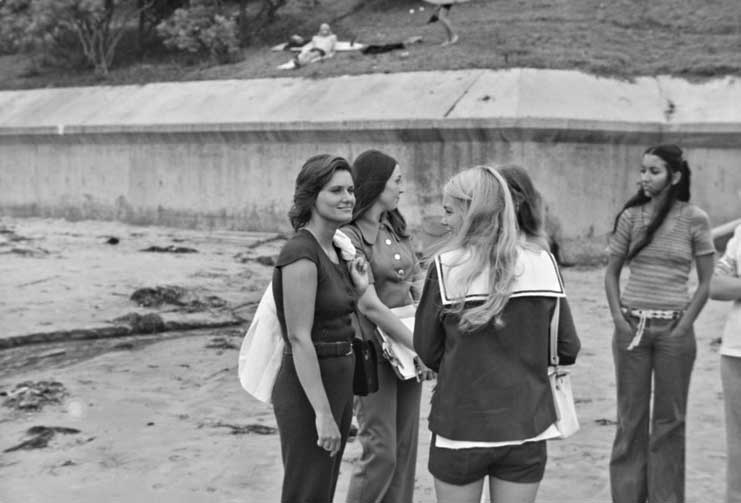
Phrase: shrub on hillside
[26,26]
[68,31]
[15,17]
[204,27]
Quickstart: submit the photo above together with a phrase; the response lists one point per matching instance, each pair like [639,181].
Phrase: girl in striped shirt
[658,234]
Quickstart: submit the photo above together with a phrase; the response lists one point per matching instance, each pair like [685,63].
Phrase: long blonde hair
[488,236]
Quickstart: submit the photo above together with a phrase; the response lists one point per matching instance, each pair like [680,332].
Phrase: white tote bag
[262,350]
[567,421]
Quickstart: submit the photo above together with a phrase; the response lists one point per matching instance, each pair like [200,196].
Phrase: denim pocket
[670,325]
[633,322]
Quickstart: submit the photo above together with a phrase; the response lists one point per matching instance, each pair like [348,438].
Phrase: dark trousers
[648,454]
[309,473]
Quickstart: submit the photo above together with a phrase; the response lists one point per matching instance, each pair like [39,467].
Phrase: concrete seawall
[224,154]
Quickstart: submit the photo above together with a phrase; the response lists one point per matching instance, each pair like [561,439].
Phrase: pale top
[730,265]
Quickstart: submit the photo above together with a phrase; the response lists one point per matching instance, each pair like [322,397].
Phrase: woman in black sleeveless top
[314,298]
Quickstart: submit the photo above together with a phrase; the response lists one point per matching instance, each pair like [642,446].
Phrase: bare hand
[424,373]
[680,330]
[622,327]
[359,274]
[328,434]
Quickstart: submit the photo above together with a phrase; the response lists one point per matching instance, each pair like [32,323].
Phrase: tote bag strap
[553,357]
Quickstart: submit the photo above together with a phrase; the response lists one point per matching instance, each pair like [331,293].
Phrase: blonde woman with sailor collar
[483,324]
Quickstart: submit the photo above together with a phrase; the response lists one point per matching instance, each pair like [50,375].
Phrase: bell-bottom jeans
[648,454]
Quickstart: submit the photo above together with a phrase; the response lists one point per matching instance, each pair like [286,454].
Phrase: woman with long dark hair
[388,420]
[658,234]
[313,391]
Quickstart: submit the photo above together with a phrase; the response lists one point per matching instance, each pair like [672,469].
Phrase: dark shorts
[514,463]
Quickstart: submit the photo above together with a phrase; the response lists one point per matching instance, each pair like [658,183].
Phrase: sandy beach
[163,418]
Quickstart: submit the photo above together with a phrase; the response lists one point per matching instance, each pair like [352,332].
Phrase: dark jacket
[493,382]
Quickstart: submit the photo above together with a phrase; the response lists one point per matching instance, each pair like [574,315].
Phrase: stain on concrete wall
[244,181]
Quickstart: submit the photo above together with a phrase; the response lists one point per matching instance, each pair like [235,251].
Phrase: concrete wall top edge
[443,125]
[513,94]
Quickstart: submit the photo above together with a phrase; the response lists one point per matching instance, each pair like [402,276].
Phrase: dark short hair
[316,172]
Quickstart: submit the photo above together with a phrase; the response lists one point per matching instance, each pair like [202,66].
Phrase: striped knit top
[659,273]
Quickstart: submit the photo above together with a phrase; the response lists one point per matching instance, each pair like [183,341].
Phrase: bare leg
[306,57]
[445,20]
[450,493]
[503,491]
[486,492]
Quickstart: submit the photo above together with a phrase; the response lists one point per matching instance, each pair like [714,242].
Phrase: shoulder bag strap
[553,357]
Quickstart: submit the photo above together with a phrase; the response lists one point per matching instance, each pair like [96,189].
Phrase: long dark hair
[371,171]
[673,157]
[314,175]
[528,203]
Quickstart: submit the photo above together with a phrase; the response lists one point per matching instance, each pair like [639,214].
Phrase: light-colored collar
[370,230]
[536,275]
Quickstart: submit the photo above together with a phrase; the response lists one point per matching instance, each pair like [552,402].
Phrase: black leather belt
[329,349]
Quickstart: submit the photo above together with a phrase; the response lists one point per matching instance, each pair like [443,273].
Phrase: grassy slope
[692,38]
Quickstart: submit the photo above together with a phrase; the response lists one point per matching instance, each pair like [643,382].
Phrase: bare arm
[612,284]
[377,312]
[298,305]
[612,291]
[725,287]
[725,284]
[704,264]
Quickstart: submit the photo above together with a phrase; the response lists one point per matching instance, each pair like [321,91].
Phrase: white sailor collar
[536,275]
